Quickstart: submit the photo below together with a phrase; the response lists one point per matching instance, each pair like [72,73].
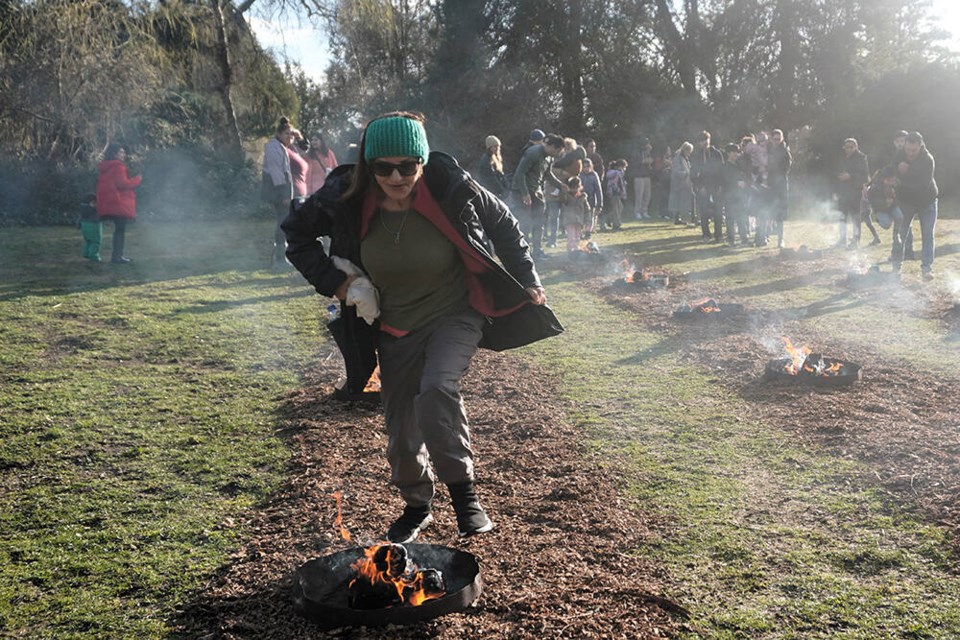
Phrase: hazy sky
[308,46]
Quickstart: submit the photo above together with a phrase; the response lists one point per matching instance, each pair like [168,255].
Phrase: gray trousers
[426,420]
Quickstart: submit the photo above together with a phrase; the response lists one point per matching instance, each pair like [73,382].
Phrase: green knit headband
[397,137]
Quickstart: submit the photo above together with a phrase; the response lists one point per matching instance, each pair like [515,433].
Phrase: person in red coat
[116,200]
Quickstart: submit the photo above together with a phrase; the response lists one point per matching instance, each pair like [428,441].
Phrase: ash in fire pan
[707,309]
[322,588]
[815,371]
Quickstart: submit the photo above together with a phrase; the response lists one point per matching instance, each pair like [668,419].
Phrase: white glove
[361,293]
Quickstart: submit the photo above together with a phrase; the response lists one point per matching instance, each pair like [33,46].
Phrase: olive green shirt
[416,269]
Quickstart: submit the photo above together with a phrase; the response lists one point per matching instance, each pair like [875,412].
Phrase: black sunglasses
[385,169]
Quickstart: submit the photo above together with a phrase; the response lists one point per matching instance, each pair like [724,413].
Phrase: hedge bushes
[178,184]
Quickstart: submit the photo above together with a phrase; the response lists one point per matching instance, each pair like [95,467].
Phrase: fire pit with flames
[643,278]
[708,308]
[385,583]
[807,368]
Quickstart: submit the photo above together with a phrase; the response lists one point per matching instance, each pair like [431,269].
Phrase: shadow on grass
[784,284]
[217,306]
[160,253]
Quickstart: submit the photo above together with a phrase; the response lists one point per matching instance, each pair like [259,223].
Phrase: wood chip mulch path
[562,562]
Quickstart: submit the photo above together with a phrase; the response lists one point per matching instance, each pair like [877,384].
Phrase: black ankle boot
[471,518]
[408,526]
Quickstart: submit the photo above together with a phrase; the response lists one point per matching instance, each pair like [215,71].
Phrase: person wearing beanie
[416,225]
[489,168]
[529,185]
[535,139]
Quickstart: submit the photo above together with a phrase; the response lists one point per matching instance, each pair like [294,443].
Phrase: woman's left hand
[538,295]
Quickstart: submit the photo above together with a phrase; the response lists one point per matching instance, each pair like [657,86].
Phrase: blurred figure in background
[277,182]
[852,173]
[735,195]
[299,167]
[705,165]
[574,214]
[320,160]
[591,187]
[90,227]
[116,200]
[643,181]
[616,183]
[662,162]
[777,162]
[906,234]
[918,195]
[680,203]
[529,178]
[489,168]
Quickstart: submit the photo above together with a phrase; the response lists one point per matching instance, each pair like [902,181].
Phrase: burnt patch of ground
[559,563]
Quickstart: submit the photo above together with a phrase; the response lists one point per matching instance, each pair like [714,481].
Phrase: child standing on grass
[574,212]
[90,227]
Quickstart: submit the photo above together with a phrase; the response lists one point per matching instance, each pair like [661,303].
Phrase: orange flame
[373,384]
[628,270]
[798,356]
[800,363]
[339,521]
[399,574]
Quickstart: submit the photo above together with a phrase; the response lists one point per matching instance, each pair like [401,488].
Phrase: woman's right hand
[341,291]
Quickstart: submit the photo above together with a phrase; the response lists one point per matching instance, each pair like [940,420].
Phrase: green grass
[770,538]
[138,416]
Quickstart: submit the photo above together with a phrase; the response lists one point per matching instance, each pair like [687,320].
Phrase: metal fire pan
[320,588]
[849,373]
[726,310]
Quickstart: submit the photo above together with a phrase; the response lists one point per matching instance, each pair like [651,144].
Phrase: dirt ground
[555,566]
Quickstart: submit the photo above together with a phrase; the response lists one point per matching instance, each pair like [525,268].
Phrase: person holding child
[116,200]
[881,196]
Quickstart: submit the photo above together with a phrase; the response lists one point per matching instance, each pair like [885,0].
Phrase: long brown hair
[361,177]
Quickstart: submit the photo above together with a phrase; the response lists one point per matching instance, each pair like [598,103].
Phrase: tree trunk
[573,116]
[783,90]
[680,46]
[231,132]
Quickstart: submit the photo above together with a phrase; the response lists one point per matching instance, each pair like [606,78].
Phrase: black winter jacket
[918,187]
[476,215]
